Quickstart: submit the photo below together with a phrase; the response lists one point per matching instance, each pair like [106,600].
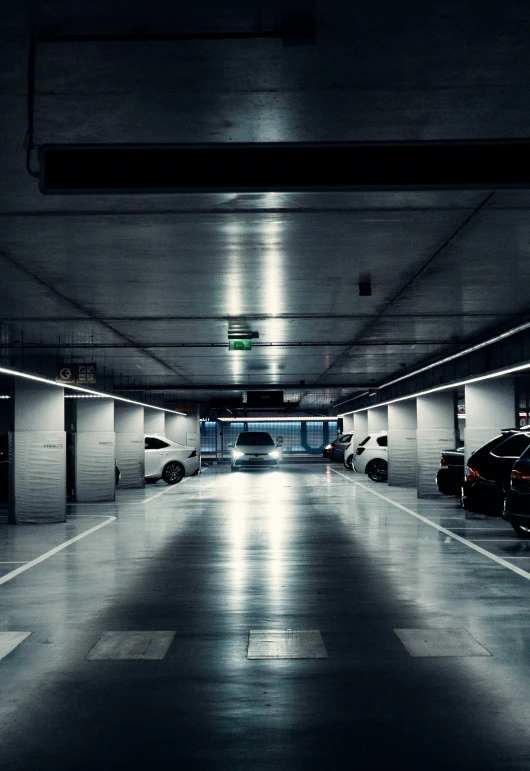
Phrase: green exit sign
[240,345]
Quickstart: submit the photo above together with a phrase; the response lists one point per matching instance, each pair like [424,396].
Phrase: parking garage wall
[308,437]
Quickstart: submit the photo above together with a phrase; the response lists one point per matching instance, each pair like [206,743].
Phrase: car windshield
[255,438]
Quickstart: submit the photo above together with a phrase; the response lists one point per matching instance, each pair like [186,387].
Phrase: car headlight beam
[274,454]
[237,454]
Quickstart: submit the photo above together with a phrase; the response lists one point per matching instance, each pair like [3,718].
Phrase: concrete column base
[37,475]
[95,470]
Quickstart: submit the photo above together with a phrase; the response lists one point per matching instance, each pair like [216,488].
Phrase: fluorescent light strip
[4,397]
[447,387]
[273,420]
[477,347]
[38,379]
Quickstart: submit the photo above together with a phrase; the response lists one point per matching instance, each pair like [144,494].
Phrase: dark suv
[489,471]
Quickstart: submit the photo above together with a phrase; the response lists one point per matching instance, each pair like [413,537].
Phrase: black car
[450,476]
[335,449]
[489,472]
[517,503]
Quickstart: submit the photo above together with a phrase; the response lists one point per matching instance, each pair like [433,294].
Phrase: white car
[168,460]
[348,453]
[371,457]
[254,449]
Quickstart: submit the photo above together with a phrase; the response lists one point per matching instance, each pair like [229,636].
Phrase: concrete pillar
[377,419]
[436,415]
[94,445]
[6,425]
[490,406]
[155,421]
[402,455]
[184,429]
[360,426]
[347,424]
[37,450]
[130,443]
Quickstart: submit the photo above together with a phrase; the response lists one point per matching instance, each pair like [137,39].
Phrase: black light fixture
[365,289]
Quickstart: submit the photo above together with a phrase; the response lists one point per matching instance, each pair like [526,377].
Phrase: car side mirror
[279,441]
[231,446]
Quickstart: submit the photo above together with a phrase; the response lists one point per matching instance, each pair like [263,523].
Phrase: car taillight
[520,476]
[193,454]
[359,450]
[443,461]
[472,474]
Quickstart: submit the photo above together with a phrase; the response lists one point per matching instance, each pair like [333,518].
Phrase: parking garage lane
[226,554]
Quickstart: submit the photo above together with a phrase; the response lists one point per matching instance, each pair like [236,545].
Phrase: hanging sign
[65,374]
[86,374]
[240,345]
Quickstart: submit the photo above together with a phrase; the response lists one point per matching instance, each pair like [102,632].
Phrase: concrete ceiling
[146,285]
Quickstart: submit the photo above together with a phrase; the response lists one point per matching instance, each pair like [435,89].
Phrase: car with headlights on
[254,449]
[168,460]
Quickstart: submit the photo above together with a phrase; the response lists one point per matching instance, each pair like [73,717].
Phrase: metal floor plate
[10,640]
[121,646]
[286,644]
[440,642]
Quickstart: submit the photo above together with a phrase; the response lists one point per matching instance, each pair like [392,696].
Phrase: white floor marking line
[450,533]
[48,554]
[167,489]
[126,646]
[11,640]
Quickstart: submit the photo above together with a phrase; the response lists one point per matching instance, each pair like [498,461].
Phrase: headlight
[274,454]
[328,447]
[237,453]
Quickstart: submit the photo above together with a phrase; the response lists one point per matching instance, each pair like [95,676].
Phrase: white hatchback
[371,457]
[168,460]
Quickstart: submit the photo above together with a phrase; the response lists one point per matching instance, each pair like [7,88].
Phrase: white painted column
[377,419]
[37,454]
[6,425]
[490,406]
[360,427]
[436,415]
[347,424]
[402,455]
[130,443]
[184,429]
[155,421]
[94,444]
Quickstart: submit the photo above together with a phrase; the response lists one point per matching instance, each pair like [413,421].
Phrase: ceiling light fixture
[446,387]
[39,379]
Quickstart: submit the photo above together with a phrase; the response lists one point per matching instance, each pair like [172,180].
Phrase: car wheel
[173,473]
[349,462]
[377,470]
[523,531]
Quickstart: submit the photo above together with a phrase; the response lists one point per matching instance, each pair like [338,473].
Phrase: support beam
[402,453]
[94,449]
[436,415]
[155,421]
[130,444]
[490,406]
[37,454]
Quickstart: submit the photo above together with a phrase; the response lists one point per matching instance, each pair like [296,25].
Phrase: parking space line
[167,489]
[455,536]
[48,554]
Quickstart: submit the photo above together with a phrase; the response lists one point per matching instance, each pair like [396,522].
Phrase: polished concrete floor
[305,548]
